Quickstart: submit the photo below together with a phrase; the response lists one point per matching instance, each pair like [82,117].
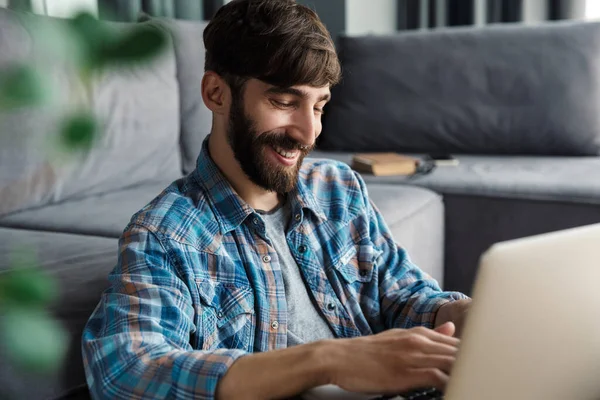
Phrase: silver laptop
[533,331]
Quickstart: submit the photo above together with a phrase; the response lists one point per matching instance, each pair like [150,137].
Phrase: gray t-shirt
[305,323]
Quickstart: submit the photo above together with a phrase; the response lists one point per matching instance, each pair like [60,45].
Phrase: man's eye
[319,110]
[281,104]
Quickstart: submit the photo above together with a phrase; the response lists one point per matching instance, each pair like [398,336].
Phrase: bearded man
[263,274]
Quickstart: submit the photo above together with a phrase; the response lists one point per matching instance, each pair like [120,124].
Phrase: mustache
[283,141]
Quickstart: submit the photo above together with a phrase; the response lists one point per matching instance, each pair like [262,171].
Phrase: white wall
[373,16]
[592,9]
[64,8]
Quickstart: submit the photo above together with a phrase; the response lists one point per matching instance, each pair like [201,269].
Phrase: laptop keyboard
[421,394]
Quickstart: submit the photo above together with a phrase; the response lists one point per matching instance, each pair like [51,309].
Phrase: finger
[441,349]
[418,343]
[429,377]
[437,336]
[448,329]
[441,362]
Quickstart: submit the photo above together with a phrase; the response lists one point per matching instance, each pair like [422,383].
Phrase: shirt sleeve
[136,344]
[408,296]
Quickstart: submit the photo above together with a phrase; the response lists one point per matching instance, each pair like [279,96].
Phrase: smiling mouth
[290,155]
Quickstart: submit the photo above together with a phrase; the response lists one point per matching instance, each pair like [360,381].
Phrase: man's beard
[250,148]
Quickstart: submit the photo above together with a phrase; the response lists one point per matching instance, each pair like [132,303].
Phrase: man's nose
[307,127]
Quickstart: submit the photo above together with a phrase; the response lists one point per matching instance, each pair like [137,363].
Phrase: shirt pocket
[226,316]
[358,289]
[358,263]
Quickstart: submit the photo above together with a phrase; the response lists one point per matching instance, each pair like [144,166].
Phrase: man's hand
[391,362]
[395,361]
[455,312]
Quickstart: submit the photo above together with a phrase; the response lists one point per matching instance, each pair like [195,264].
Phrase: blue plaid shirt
[198,284]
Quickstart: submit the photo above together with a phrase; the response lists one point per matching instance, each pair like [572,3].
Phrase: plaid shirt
[198,284]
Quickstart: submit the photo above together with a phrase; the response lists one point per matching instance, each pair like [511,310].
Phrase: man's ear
[215,93]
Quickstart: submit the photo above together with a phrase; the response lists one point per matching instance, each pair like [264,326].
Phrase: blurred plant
[25,290]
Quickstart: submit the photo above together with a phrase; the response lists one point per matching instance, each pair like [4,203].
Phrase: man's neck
[222,155]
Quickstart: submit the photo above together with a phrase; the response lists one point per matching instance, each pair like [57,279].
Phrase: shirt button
[302,248]
[363,272]
[267,259]
[255,221]
[297,217]
[331,306]
[275,325]
[219,315]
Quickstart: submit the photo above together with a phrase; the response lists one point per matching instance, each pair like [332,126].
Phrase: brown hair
[277,41]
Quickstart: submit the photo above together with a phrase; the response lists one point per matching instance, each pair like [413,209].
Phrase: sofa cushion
[506,89]
[415,217]
[138,109]
[196,118]
[566,179]
[104,214]
[80,266]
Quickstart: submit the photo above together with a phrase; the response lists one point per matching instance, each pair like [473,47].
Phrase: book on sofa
[384,164]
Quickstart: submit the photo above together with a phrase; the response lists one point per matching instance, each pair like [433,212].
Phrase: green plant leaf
[26,287]
[79,131]
[93,37]
[33,339]
[101,45]
[138,45]
[21,86]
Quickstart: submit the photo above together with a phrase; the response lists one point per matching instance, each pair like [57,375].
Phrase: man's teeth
[283,153]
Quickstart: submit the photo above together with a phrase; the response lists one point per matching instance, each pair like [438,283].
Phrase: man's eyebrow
[295,92]
[325,97]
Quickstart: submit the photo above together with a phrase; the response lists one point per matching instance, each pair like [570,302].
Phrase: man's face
[272,129]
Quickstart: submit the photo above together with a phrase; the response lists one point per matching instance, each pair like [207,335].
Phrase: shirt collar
[305,199]
[229,208]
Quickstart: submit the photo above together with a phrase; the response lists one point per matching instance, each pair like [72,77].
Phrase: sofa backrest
[195,117]
[139,109]
[506,89]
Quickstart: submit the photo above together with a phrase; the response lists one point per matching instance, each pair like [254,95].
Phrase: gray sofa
[70,211]
[518,106]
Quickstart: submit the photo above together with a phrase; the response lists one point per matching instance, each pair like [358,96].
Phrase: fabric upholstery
[135,106]
[415,217]
[506,89]
[196,118]
[80,266]
[564,179]
[100,215]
